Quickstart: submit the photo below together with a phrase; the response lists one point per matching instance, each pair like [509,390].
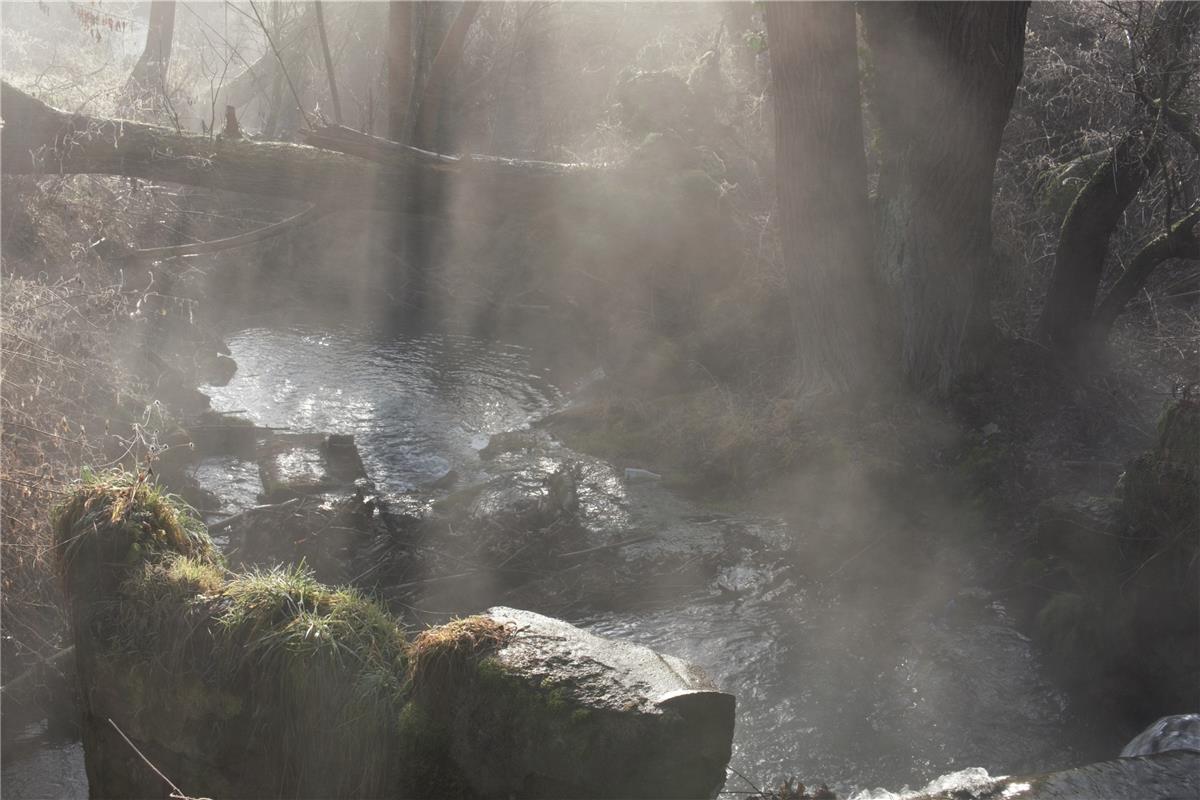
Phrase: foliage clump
[114,521]
[127,508]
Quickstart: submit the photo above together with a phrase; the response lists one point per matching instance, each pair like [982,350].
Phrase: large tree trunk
[149,76]
[821,181]
[945,75]
[400,67]
[429,121]
[37,139]
[1066,321]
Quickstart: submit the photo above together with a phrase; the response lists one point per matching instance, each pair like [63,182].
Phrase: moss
[425,747]
[547,717]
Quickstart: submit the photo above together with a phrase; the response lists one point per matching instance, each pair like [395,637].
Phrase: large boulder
[559,712]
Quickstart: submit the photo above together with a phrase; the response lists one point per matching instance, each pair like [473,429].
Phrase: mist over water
[744,236]
[860,686]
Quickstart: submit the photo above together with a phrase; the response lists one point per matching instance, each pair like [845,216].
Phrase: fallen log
[370,173]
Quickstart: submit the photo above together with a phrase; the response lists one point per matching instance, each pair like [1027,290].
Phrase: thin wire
[282,67]
[142,755]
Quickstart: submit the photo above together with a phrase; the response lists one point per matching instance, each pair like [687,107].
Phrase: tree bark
[945,75]
[38,139]
[821,182]
[258,78]
[328,57]
[449,55]
[150,73]
[1066,320]
[1083,242]
[400,65]
[1179,241]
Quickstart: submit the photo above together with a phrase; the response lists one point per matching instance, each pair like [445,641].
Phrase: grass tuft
[440,655]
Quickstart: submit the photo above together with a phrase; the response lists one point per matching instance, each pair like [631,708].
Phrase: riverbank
[102,357]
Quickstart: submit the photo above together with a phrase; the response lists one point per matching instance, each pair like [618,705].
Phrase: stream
[854,685]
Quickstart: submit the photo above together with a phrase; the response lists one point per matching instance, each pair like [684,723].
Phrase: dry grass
[438,656]
[65,405]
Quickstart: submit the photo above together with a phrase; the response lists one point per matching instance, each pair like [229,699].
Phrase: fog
[747,332]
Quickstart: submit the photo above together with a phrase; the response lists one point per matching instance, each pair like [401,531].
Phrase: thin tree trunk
[1083,242]
[1178,242]
[333,90]
[944,81]
[821,182]
[449,56]
[149,75]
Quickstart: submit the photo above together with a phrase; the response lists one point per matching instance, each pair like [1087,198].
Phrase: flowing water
[857,686]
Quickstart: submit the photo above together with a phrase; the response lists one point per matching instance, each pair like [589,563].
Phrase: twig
[225,523]
[217,245]
[750,783]
[53,662]
[613,546]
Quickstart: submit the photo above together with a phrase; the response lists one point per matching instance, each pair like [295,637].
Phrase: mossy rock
[527,721]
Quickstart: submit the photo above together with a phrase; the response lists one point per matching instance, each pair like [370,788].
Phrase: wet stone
[558,711]
[1166,776]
